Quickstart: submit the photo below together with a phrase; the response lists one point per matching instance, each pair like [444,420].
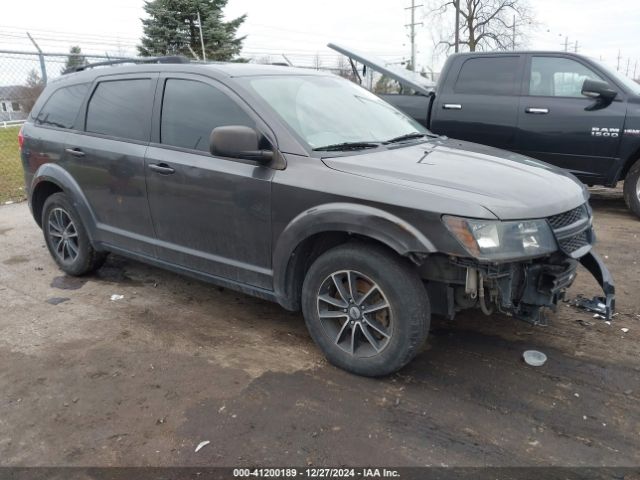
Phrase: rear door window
[192,109]
[121,108]
[489,76]
[62,107]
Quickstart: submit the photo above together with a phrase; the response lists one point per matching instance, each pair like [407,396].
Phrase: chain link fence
[23,75]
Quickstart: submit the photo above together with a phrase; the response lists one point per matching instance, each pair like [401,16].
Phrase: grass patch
[11,174]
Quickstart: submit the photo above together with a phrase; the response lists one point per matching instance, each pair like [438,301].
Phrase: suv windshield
[330,111]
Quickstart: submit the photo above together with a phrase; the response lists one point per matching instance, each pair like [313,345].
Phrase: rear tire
[343,300]
[632,189]
[66,237]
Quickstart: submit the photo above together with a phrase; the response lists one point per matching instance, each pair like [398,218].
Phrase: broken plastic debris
[624,330]
[202,444]
[534,358]
[116,297]
[595,304]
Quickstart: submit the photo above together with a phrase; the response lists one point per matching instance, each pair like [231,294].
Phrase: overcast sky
[301,29]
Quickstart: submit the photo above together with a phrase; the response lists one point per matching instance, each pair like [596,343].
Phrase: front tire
[66,237]
[366,309]
[632,189]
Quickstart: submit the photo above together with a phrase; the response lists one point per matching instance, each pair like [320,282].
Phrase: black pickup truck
[562,108]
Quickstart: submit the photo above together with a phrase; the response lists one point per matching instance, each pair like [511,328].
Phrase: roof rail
[167,59]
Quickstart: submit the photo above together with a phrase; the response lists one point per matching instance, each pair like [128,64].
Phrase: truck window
[191,109]
[488,76]
[119,108]
[62,107]
[558,77]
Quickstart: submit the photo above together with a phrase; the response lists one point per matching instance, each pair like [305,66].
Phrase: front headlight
[496,240]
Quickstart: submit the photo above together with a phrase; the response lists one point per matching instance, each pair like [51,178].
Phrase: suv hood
[510,185]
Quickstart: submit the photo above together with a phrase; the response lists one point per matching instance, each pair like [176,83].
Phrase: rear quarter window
[61,109]
[488,76]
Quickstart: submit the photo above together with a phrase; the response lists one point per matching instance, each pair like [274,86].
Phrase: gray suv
[304,189]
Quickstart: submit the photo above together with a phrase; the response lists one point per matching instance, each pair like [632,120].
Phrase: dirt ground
[87,380]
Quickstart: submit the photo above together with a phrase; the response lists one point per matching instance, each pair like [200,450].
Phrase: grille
[564,227]
[568,218]
[571,244]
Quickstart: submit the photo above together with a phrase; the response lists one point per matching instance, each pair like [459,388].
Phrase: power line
[60,33]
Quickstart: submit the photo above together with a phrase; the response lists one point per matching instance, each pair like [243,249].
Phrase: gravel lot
[87,380]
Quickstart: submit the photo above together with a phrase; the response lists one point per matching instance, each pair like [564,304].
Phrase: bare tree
[317,62]
[485,24]
[343,68]
[30,91]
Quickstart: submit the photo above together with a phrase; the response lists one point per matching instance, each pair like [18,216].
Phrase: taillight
[20,138]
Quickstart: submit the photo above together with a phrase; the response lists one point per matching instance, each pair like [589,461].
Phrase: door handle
[161,168]
[538,111]
[452,106]
[76,152]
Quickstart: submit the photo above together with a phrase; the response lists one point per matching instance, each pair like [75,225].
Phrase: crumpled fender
[363,220]
[594,264]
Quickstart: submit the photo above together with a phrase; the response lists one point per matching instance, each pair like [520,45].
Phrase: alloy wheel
[355,313]
[63,235]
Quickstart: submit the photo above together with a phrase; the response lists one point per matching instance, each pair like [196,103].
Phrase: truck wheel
[365,308]
[66,237]
[632,189]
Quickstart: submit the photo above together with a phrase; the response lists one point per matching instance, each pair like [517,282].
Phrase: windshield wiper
[408,136]
[337,147]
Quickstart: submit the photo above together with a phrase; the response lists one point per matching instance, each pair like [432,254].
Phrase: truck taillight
[20,138]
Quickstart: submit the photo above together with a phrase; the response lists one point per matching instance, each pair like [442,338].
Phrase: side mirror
[599,90]
[238,141]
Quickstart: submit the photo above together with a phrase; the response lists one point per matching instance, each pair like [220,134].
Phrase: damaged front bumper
[519,289]
[523,288]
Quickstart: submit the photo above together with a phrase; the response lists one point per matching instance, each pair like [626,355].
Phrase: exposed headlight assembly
[496,240]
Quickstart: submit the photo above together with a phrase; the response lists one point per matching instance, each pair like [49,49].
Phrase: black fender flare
[596,267]
[54,173]
[367,221]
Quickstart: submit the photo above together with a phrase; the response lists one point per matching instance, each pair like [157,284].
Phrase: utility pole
[635,69]
[412,35]
[43,66]
[457,35]
[204,55]
[628,64]
[566,44]
[619,58]
[575,49]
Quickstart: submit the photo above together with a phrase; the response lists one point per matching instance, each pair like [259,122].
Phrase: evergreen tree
[75,58]
[172,29]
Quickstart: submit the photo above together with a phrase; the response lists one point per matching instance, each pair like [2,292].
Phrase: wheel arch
[51,178]
[628,164]
[319,229]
